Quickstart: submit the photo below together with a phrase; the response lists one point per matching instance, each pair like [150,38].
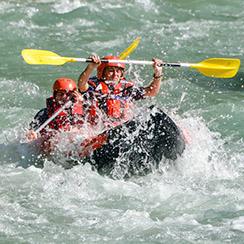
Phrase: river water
[201,199]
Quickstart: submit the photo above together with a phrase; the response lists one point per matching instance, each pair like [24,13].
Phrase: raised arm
[154,87]
[86,74]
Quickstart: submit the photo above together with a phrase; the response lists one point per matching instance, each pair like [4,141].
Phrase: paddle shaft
[142,62]
[66,105]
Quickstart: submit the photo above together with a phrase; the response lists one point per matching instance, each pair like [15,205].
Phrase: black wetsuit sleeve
[135,93]
[39,119]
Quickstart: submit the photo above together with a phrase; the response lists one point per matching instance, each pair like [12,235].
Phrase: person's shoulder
[127,83]
[133,91]
[41,113]
[93,81]
[40,117]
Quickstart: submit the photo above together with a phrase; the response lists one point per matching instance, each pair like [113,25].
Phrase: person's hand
[157,67]
[31,135]
[95,61]
[77,97]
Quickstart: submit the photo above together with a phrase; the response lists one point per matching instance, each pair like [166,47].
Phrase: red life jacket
[66,118]
[115,103]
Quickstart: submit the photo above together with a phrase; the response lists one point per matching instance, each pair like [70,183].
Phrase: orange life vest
[111,99]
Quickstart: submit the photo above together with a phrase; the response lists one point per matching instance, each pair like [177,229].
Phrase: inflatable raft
[135,147]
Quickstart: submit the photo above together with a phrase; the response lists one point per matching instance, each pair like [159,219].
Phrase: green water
[199,201]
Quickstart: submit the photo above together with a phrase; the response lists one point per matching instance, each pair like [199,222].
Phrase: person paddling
[64,90]
[127,145]
[110,92]
[134,144]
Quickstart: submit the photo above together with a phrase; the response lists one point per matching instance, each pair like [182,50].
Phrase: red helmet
[64,84]
[102,66]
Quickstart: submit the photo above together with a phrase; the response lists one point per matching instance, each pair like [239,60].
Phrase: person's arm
[85,75]
[154,87]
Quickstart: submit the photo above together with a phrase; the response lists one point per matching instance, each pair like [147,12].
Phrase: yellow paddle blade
[130,49]
[218,67]
[34,56]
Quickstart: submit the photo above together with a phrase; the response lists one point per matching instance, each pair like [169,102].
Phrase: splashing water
[199,199]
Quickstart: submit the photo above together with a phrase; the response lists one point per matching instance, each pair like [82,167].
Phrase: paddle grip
[171,65]
[139,62]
